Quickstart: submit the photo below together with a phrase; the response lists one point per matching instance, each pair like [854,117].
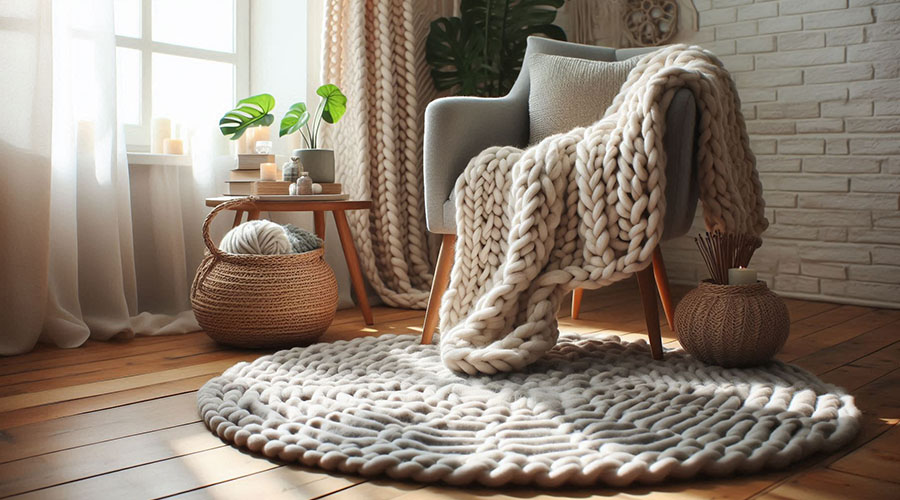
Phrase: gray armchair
[458,128]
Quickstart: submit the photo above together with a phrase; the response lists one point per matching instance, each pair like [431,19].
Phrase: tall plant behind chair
[481,51]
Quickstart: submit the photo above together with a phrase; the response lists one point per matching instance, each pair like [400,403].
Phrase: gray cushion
[567,92]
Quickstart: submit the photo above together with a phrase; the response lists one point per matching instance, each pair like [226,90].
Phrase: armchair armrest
[457,129]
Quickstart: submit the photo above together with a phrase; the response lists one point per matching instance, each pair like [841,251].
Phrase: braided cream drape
[374,51]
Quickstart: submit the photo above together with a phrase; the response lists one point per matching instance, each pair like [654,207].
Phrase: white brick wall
[820,86]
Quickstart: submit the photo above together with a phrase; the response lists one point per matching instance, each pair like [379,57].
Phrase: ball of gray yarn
[301,239]
[260,237]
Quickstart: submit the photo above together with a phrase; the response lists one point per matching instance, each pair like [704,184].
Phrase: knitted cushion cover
[568,92]
[593,410]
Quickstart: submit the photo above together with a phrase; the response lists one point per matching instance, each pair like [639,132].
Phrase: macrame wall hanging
[649,23]
[627,23]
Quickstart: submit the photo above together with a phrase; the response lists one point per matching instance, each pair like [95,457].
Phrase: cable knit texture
[589,412]
[585,209]
[577,100]
[375,51]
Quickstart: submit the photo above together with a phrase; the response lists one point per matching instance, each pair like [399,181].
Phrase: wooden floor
[119,419]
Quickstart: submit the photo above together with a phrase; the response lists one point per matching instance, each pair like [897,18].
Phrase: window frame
[137,137]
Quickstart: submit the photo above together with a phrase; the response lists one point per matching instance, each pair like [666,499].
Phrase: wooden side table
[318,208]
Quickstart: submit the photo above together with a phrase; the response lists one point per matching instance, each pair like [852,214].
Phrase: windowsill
[158,159]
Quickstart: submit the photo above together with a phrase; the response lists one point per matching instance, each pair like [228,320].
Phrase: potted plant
[255,111]
[318,162]
[481,51]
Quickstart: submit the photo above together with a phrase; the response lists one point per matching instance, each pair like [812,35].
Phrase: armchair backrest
[458,128]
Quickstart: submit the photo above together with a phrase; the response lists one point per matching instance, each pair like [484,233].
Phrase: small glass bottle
[304,184]
[290,171]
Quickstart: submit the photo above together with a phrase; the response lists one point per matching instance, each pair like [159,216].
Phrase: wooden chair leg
[576,301]
[662,283]
[438,286]
[651,314]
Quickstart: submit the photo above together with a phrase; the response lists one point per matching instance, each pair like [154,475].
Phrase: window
[185,60]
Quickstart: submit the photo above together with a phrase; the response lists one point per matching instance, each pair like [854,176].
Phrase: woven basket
[732,325]
[262,300]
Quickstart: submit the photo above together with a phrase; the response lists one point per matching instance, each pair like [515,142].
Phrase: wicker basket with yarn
[732,325]
[262,301]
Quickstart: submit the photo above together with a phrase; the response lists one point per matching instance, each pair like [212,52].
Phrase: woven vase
[732,325]
[262,301]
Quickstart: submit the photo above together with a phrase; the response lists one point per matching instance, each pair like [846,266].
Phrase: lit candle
[173,147]
[268,172]
[741,276]
[160,130]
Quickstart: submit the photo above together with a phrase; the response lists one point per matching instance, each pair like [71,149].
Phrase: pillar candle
[268,172]
[741,276]
[173,147]
[245,142]
[262,134]
[160,130]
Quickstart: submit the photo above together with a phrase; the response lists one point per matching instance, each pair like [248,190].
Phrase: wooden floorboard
[119,419]
[51,411]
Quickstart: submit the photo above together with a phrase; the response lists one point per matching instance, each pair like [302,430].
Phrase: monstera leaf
[335,102]
[250,112]
[294,120]
[481,52]
[456,54]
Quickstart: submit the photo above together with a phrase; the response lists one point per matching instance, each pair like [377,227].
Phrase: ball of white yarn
[256,237]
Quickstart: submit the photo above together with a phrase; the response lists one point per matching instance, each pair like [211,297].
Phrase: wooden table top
[291,205]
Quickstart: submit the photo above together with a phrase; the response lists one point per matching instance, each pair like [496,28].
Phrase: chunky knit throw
[585,209]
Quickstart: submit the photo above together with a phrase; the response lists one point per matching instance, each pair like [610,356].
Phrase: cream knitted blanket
[585,209]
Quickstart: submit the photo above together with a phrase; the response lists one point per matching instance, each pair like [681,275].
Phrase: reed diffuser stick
[722,252]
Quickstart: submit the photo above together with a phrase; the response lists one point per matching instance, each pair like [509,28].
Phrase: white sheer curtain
[67,256]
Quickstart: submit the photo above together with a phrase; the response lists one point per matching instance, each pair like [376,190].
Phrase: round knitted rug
[591,411]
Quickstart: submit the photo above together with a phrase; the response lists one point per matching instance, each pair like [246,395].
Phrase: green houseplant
[319,163]
[255,111]
[481,51]
[330,109]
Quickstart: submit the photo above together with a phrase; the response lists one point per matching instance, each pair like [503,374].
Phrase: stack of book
[240,179]
[244,180]
[330,188]
[246,188]
[253,161]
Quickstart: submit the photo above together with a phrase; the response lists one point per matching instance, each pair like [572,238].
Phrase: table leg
[340,220]
[253,215]
[238,214]
[319,224]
